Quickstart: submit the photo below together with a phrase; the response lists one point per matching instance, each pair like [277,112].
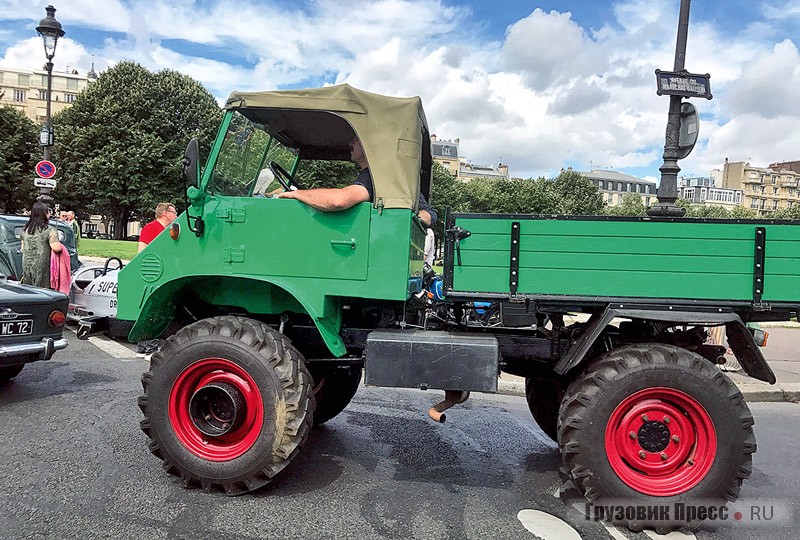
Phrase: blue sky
[538,85]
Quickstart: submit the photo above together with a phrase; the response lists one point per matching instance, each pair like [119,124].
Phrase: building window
[72,84]
[774,179]
[19,95]
[70,98]
[42,94]
[23,80]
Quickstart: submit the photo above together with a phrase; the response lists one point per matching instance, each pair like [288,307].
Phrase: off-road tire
[278,388]
[9,372]
[614,382]
[544,402]
[334,387]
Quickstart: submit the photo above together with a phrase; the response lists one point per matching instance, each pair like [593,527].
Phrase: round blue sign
[45,169]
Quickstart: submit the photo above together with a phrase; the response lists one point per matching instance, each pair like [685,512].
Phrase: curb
[753,392]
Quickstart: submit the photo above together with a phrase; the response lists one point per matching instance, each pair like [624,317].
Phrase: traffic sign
[45,182]
[45,169]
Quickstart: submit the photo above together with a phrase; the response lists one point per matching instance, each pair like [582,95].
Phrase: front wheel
[659,426]
[334,387]
[227,403]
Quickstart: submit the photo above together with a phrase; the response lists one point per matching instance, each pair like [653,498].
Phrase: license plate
[16,328]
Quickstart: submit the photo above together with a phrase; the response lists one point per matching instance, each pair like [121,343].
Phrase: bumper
[44,349]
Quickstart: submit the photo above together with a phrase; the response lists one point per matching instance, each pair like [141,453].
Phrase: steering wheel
[283,177]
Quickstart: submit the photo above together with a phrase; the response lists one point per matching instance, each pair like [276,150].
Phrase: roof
[616,176]
[321,122]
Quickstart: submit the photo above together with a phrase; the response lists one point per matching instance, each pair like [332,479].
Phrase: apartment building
[614,185]
[765,189]
[26,90]
[703,190]
[445,153]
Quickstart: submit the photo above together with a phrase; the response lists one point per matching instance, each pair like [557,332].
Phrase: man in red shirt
[165,214]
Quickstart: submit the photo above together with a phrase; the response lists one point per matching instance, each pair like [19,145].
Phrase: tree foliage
[631,205]
[568,193]
[120,145]
[19,153]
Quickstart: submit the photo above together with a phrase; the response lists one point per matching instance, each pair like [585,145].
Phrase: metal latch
[233,255]
[347,243]
[232,215]
[458,234]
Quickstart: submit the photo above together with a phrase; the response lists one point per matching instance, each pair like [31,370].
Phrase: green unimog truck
[272,310]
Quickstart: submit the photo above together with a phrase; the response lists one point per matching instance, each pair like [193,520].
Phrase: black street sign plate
[682,83]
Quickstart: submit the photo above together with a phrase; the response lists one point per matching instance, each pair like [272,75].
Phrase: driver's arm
[329,199]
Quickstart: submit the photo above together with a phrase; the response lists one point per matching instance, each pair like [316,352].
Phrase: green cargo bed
[658,260]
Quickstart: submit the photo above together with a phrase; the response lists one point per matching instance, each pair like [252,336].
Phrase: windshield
[246,151]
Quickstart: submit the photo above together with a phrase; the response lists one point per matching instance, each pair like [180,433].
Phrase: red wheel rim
[660,441]
[230,445]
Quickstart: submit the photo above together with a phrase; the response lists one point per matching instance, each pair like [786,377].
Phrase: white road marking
[547,526]
[114,349]
[674,535]
[615,532]
[111,347]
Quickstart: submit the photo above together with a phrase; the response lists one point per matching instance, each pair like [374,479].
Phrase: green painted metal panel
[688,259]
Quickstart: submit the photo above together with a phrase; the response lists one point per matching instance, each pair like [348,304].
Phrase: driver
[361,190]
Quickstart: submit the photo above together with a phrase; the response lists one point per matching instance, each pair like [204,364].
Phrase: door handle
[345,243]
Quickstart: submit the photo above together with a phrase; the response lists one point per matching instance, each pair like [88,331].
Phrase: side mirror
[191,163]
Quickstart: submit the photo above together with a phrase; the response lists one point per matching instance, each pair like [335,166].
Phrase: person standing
[39,241]
[165,214]
[75,227]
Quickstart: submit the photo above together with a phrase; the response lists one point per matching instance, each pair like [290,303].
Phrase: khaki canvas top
[321,122]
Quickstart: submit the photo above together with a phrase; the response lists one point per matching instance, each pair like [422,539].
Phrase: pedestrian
[39,241]
[165,214]
[76,228]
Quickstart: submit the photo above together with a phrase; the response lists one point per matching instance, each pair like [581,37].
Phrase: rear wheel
[655,425]
[9,372]
[334,387]
[227,404]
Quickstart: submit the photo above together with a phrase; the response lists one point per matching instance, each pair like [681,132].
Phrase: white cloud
[548,92]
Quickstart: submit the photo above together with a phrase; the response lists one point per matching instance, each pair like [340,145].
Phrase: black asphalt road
[75,465]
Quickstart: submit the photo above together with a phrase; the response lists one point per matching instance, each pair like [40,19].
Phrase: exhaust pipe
[451,397]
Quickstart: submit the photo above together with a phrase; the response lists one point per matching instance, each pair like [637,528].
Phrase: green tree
[740,212]
[631,205]
[19,153]
[576,194]
[326,174]
[120,145]
[787,213]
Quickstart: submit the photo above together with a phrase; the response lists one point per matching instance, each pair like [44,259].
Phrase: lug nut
[676,439]
[632,435]
[664,456]
[690,462]
[642,454]
[666,420]
[644,418]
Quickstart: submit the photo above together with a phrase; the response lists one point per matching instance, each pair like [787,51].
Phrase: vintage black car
[31,325]
[10,244]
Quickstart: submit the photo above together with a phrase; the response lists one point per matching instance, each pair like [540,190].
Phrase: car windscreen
[246,151]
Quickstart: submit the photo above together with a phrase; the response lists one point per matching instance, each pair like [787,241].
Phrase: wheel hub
[654,436]
[215,409]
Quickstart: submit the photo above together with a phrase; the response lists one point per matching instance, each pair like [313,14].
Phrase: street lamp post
[50,30]
[668,188]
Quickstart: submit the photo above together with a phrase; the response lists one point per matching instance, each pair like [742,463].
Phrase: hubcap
[660,441]
[216,409]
